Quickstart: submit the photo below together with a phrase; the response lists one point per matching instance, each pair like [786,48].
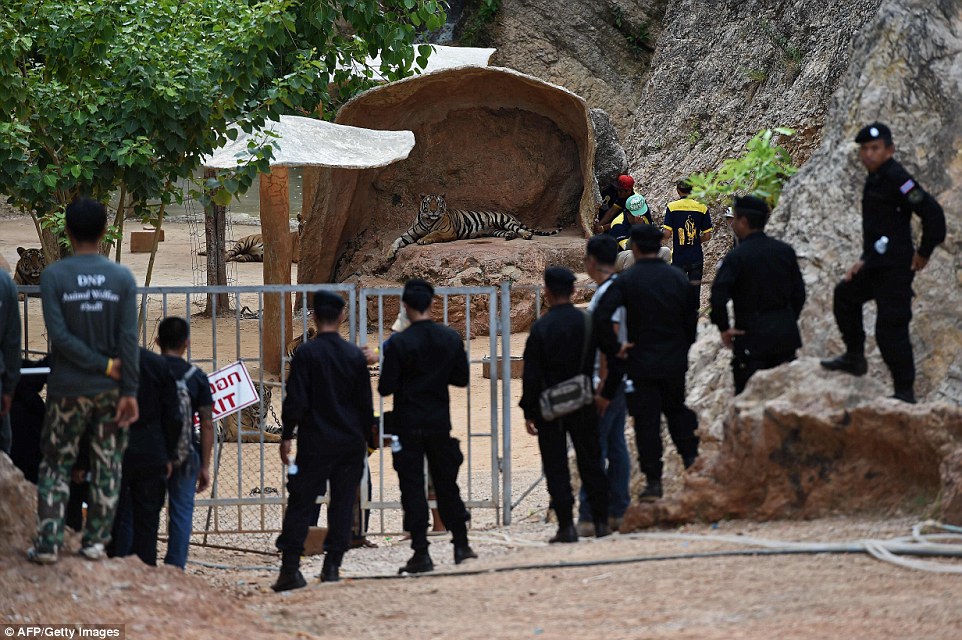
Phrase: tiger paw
[527,235]
[511,235]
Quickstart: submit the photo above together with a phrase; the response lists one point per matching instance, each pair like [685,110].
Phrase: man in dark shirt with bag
[419,365]
[329,402]
[561,347]
[885,270]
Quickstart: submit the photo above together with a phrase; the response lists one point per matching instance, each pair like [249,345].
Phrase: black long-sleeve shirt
[555,351]
[328,397]
[662,317]
[419,364]
[761,275]
[153,438]
[890,196]
[9,336]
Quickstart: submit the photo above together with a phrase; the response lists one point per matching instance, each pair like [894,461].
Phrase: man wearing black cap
[888,263]
[329,402]
[762,277]
[662,312]
[419,364]
[561,346]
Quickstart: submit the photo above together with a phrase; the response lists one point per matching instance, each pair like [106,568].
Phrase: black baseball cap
[874,131]
[647,237]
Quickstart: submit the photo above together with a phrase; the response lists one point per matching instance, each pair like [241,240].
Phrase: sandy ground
[226,592]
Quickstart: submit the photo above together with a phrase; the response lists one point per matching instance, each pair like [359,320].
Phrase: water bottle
[395,444]
[292,469]
[882,245]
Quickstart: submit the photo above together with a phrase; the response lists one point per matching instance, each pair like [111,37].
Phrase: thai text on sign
[232,390]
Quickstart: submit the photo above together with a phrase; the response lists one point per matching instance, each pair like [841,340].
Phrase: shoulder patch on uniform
[915,196]
[908,186]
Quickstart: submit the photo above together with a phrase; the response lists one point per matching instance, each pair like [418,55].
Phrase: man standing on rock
[561,346]
[887,266]
[662,312]
[90,311]
[762,277]
[419,365]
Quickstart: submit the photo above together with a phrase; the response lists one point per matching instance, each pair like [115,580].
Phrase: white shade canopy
[441,58]
[309,142]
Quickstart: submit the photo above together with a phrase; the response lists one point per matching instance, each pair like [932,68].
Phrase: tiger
[29,267]
[251,248]
[435,223]
[250,417]
[250,420]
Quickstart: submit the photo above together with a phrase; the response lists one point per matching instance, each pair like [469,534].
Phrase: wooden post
[215,236]
[276,230]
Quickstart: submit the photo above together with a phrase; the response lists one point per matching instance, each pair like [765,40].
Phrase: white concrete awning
[309,142]
[441,58]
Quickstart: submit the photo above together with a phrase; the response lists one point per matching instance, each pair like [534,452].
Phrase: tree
[129,95]
[762,171]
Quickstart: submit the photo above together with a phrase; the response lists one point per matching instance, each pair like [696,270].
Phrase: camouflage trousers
[66,422]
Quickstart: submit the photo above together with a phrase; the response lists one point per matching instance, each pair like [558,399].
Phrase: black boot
[330,572]
[289,579]
[849,362]
[420,562]
[652,491]
[602,529]
[565,534]
[462,553]
[905,394]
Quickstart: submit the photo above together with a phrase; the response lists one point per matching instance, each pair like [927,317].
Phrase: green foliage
[104,93]
[755,75]
[637,37]
[791,56]
[762,171]
[476,27]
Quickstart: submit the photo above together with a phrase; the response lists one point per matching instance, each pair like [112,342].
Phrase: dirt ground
[226,593]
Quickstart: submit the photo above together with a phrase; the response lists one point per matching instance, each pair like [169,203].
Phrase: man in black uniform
[558,349]
[888,263]
[662,311]
[329,402]
[762,277]
[419,364]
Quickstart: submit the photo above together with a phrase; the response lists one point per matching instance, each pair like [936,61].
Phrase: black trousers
[891,288]
[444,458]
[344,471]
[653,397]
[695,272]
[744,367]
[582,427]
[142,493]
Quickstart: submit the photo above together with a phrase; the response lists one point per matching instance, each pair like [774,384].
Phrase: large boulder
[487,138]
[610,158]
[801,444]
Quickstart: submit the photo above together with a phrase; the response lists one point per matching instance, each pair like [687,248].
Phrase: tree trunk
[215,235]
[276,231]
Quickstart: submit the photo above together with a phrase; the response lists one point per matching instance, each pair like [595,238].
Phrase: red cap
[625,182]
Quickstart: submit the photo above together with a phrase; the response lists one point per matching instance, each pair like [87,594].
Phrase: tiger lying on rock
[435,223]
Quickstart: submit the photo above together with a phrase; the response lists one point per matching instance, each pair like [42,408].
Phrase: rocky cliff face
[600,50]
[723,70]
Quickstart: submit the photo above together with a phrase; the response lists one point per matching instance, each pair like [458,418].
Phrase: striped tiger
[251,248]
[250,423]
[435,223]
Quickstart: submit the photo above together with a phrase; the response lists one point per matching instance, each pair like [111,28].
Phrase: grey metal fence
[248,489]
